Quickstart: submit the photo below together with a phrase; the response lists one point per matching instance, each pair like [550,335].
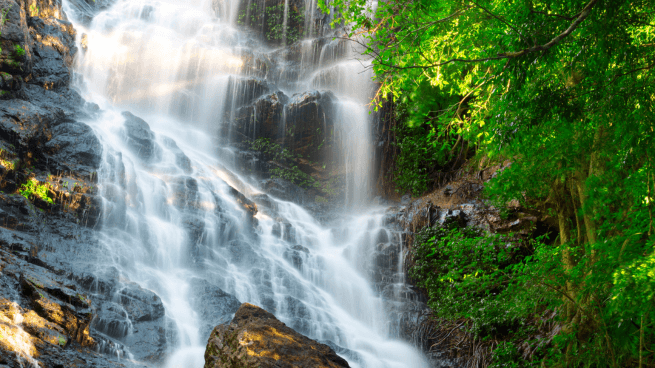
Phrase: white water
[170,62]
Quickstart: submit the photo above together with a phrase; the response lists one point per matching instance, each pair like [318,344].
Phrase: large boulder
[255,338]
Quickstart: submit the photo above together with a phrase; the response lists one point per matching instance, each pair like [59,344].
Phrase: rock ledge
[255,338]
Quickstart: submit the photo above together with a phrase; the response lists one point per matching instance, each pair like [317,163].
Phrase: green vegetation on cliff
[563,89]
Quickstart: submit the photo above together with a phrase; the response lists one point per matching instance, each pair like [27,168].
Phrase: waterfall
[181,86]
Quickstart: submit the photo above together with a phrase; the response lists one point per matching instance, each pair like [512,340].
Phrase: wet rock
[53,50]
[181,159]
[255,63]
[24,124]
[262,17]
[102,282]
[46,298]
[112,320]
[296,255]
[85,10]
[151,340]
[276,230]
[269,342]
[288,232]
[185,192]
[214,305]
[63,101]
[140,304]
[249,207]
[264,200]
[15,58]
[242,253]
[262,279]
[246,89]
[310,123]
[74,147]
[285,190]
[261,119]
[140,138]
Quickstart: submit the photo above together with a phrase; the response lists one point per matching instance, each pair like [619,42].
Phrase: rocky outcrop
[140,139]
[52,310]
[255,338]
[45,318]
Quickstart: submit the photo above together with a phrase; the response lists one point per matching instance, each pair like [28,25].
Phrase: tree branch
[509,55]
[500,19]
[583,15]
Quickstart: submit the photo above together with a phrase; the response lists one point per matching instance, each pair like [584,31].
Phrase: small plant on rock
[34,10]
[32,187]
[19,52]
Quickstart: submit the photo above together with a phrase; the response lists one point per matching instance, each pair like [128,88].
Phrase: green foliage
[32,187]
[19,52]
[564,89]
[34,10]
[61,340]
[226,351]
[466,275]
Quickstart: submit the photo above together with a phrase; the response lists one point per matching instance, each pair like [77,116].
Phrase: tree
[565,90]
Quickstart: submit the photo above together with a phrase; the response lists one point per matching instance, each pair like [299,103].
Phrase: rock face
[255,338]
[263,19]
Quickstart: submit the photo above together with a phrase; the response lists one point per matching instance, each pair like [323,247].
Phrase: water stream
[172,222]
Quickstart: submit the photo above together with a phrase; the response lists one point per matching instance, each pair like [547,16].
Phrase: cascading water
[173,222]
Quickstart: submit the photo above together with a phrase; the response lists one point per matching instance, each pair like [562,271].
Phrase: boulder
[140,139]
[261,119]
[214,305]
[140,304]
[255,338]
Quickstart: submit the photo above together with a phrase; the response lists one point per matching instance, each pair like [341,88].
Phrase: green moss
[32,187]
[19,52]
[225,351]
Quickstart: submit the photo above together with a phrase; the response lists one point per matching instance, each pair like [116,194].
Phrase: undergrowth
[507,291]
